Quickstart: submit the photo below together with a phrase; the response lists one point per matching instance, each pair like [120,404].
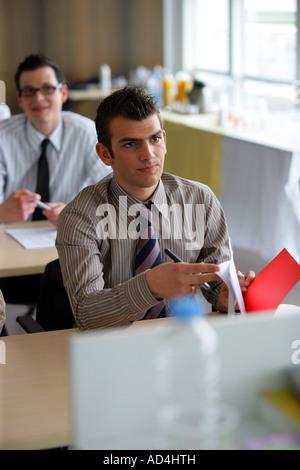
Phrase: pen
[42,205]
[176,259]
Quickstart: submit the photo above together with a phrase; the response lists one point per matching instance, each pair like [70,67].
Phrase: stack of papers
[228,275]
[32,238]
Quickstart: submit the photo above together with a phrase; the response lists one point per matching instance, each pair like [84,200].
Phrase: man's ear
[165,139]
[64,93]
[104,154]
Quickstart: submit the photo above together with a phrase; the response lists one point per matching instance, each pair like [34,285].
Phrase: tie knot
[44,144]
[146,212]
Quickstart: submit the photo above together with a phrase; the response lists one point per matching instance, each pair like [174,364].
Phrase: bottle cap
[186,308]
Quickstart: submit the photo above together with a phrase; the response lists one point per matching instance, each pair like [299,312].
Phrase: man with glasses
[70,151]
[70,161]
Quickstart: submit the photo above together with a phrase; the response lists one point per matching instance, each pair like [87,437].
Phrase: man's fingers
[197,268]
[249,277]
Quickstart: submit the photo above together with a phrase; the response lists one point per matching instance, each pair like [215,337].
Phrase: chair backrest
[53,307]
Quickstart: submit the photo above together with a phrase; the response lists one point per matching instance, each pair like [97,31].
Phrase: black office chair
[21,290]
[53,308]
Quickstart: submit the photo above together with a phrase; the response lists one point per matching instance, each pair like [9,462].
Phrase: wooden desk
[16,260]
[34,391]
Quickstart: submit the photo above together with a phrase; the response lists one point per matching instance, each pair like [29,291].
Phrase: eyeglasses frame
[35,90]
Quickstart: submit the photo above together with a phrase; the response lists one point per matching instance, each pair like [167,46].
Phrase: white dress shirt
[72,158]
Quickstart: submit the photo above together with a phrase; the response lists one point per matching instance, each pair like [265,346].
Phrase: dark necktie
[148,256]
[42,184]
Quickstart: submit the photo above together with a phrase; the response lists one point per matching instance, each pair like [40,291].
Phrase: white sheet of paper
[228,275]
[32,238]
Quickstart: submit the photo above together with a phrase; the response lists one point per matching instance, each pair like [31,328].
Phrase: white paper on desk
[32,238]
[228,275]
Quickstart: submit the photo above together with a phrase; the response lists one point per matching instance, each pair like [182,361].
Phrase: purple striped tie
[148,256]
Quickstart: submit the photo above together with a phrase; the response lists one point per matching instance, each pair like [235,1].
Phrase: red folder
[273,283]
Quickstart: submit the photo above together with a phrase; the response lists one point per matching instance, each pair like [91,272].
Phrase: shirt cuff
[138,294]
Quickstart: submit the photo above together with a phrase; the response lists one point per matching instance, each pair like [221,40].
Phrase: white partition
[113,387]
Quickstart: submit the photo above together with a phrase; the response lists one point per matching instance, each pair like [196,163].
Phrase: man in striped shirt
[97,241]
[72,159]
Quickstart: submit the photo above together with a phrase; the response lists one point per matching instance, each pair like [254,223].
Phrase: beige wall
[79,35]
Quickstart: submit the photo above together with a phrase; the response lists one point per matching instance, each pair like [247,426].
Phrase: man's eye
[129,144]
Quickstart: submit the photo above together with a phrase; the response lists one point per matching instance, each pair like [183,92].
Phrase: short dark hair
[36,61]
[131,102]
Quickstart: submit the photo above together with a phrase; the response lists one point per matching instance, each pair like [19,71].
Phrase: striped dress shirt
[72,158]
[97,239]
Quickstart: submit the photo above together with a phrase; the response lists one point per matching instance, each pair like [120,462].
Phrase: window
[248,46]
[270,39]
[206,43]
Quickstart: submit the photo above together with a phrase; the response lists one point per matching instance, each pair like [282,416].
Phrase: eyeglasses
[28,91]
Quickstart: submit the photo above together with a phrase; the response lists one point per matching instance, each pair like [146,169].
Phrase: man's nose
[147,152]
[39,95]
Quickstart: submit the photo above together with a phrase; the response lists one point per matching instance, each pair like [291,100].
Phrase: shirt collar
[158,199]
[36,138]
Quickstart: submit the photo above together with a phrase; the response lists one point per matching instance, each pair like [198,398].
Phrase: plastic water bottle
[154,86]
[105,78]
[188,369]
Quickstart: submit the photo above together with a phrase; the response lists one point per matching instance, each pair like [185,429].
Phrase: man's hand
[18,206]
[244,281]
[53,214]
[169,280]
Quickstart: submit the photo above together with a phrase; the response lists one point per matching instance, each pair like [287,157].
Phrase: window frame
[173,46]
